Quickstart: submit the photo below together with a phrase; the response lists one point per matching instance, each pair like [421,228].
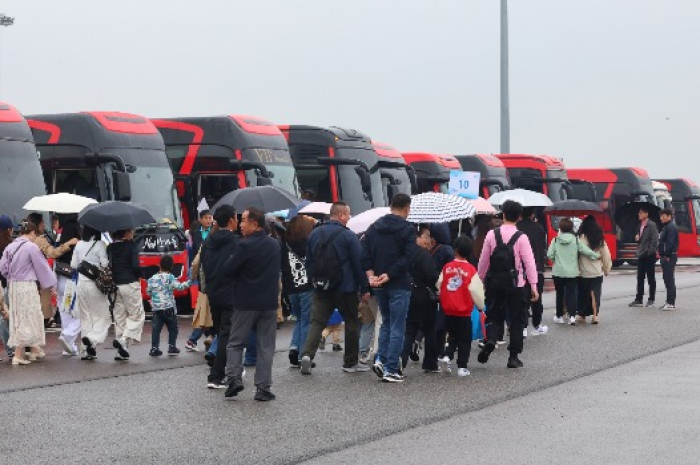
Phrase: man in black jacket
[668,251]
[220,291]
[201,231]
[387,254]
[538,240]
[255,268]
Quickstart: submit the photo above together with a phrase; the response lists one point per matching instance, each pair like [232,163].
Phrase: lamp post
[505,104]
[6,21]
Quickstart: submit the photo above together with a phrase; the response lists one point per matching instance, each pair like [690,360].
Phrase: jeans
[197,334]
[646,268]
[213,346]
[668,267]
[301,309]
[168,318]
[393,305]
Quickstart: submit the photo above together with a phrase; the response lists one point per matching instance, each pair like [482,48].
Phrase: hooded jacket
[216,250]
[389,246]
[564,251]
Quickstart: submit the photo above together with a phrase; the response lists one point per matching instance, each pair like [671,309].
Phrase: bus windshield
[21,177]
[557,185]
[277,161]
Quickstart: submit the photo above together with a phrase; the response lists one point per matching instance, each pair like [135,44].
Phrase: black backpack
[327,272]
[503,275]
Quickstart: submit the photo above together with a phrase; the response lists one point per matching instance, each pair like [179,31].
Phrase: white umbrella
[360,223]
[59,203]
[523,197]
[433,207]
[317,208]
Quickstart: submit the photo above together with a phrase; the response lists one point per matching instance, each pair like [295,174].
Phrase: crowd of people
[398,288]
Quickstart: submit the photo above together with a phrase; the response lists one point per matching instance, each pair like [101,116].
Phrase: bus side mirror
[122,186]
[365,179]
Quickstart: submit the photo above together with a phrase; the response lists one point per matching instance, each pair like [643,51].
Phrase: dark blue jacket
[218,248]
[255,269]
[348,248]
[388,247]
[668,240]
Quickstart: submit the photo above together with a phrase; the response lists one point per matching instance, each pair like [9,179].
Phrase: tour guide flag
[464,184]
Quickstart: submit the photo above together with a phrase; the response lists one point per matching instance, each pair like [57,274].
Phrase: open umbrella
[59,203]
[360,223]
[264,198]
[316,208]
[523,197]
[483,207]
[114,216]
[433,207]
[572,208]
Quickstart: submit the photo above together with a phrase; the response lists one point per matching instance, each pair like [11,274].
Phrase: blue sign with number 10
[464,184]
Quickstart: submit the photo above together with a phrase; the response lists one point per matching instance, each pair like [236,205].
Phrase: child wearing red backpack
[460,290]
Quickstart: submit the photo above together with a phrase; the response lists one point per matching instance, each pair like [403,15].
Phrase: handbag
[70,292]
[63,269]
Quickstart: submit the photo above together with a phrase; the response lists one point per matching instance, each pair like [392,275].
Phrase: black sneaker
[514,362]
[264,395]
[172,350]
[636,303]
[119,358]
[294,357]
[155,352]
[415,352]
[89,347]
[393,378]
[123,353]
[483,356]
[234,388]
[337,348]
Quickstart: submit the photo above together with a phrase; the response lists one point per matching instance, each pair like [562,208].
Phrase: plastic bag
[70,293]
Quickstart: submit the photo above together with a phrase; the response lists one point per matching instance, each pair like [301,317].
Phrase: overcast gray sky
[597,82]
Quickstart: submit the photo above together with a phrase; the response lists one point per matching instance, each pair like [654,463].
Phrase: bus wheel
[617,263]
[184,305]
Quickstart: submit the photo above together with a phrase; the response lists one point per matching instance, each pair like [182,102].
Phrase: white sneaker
[572,320]
[668,306]
[541,329]
[463,372]
[559,319]
[64,344]
[525,333]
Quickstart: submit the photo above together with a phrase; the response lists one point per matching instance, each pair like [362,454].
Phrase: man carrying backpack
[505,261]
[334,267]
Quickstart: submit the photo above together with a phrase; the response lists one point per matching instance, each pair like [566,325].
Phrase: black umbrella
[114,216]
[265,198]
[573,208]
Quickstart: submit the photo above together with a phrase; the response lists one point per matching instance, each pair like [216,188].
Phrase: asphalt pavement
[159,411]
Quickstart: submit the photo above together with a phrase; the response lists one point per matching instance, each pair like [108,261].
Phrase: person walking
[218,248]
[23,265]
[422,310]
[161,287]
[668,251]
[129,315]
[564,251]
[647,243]
[255,268]
[538,241]
[505,262]
[295,281]
[387,254]
[334,266]
[70,320]
[592,270]
[93,305]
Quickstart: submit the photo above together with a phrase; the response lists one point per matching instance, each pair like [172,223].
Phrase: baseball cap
[5,222]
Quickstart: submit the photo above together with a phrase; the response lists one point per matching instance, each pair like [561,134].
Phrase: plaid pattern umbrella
[433,207]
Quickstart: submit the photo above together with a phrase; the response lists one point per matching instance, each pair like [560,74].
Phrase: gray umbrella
[265,198]
[114,216]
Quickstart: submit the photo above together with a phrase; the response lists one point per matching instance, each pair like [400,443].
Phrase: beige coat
[595,268]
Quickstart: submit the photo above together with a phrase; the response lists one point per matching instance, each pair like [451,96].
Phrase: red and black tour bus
[494,176]
[212,156]
[336,164]
[432,170]
[686,211]
[397,176]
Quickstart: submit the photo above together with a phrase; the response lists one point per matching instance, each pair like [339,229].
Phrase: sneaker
[636,303]
[305,365]
[172,351]
[500,342]
[514,362]
[559,319]
[437,370]
[155,352]
[86,356]
[322,343]
[485,353]
[356,368]
[89,347]
[264,395]
[120,345]
[337,348]
[378,368]
[463,372]
[216,385]
[572,320]
[64,344]
[393,378]
[650,303]
[294,357]
[234,388]
[541,329]
[525,333]
[119,358]
[72,353]
[668,306]
[364,359]
[191,346]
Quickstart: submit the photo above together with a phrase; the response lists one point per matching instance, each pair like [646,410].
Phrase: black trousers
[430,355]
[646,268]
[668,268]
[536,307]
[566,293]
[588,290]
[498,305]
[460,338]
[221,317]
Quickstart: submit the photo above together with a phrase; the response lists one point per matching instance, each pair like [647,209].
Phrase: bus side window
[682,217]
[79,182]
[316,181]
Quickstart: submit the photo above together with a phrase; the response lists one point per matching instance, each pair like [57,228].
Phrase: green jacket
[564,251]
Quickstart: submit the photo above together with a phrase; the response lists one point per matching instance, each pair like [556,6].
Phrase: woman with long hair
[296,283]
[592,270]
[70,321]
[93,306]
[24,266]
